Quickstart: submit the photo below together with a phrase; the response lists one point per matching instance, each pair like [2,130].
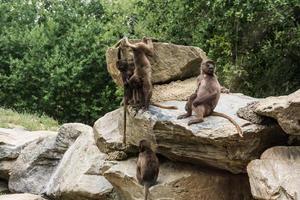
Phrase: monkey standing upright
[206,97]
[147,166]
[143,72]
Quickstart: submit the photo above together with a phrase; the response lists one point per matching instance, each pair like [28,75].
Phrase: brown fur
[142,76]
[206,97]
[147,166]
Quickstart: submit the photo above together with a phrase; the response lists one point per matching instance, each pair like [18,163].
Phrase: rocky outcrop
[12,141]
[109,138]
[174,91]
[21,197]
[179,181]
[276,175]
[78,176]
[36,163]
[214,142]
[170,62]
[285,109]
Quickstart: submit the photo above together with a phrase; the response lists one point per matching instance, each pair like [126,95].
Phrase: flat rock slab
[285,109]
[170,62]
[277,174]
[179,181]
[214,142]
[24,196]
[12,141]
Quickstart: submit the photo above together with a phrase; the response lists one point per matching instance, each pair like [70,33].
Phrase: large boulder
[24,196]
[276,175]
[12,141]
[33,168]
[179,181]
[285,109]
[215,142]
[78,176]
[170,62]
[174,91]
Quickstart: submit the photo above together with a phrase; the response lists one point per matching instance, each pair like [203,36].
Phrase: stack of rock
[202,161]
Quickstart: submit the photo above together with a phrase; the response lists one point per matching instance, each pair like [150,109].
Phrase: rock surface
[21,197]
[12,141]
[170,62]
[277,174]
[78,176]
[178,181]
[285,109]
[37,161]
[174,91]
[214,142]
[109,138]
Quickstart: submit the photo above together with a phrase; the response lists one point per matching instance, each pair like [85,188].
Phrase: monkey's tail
[239,130]
[125,118]
[146,190]
[165,107]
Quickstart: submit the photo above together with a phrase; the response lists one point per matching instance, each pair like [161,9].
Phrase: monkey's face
[208,67]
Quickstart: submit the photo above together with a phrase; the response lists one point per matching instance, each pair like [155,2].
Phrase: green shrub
[53,59]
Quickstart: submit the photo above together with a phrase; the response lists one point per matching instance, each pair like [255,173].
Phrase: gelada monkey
[126,69]
[147,166]
[142,72]
[206,97]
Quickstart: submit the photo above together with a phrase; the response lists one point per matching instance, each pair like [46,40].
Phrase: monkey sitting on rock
[147,166]
[206,97]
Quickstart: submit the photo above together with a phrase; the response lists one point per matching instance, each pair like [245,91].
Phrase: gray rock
[179,181]
[37,161]
[109,138]
[174,91]
[12,141]
[285,109]
[78,176]
[171,62]
[21,197]
[277,174]
[215,142]
[248,113]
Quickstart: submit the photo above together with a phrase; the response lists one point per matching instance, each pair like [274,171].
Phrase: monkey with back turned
[147,166]
[143,73]
[206,97]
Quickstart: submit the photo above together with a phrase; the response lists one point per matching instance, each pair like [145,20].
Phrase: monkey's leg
[188,107]
[147,93]
[199,110]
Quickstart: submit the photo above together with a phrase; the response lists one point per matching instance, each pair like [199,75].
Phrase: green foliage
[53,59]
[250,40]
[52,53]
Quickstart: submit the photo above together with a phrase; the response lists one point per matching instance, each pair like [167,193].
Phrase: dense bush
[53,59]
[255,43]
[52,53]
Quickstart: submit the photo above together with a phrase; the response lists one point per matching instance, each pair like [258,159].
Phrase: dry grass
[31,122]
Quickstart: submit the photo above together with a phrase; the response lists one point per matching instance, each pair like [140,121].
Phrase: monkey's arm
[204,98]
[128,44]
